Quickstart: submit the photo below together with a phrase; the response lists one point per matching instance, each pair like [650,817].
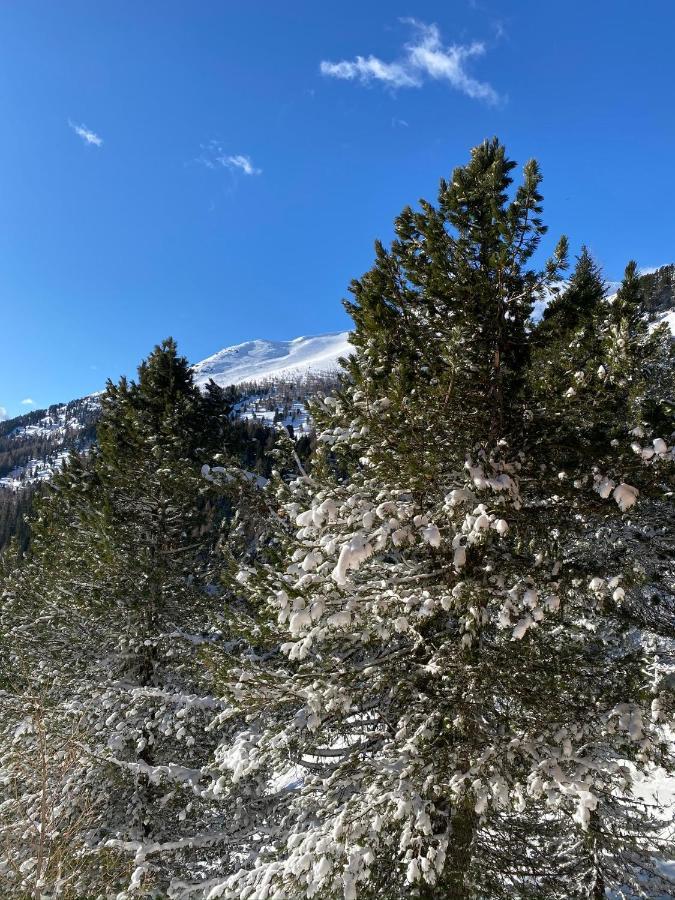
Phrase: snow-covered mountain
[284,374]
[33,445]
[262,360]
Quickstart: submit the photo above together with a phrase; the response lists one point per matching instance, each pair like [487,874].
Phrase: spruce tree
[107,701]
[460,702]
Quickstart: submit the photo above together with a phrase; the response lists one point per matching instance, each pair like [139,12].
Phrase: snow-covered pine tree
[459,687]
[600,381]
[107,698]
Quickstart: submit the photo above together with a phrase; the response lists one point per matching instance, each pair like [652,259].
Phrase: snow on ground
[267,408]
[264,360]
[56,424]
[34,471]
[668,318]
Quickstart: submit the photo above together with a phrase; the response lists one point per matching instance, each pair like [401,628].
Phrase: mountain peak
[261,360]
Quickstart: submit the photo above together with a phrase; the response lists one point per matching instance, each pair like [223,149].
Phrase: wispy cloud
[87,135]
[240,162]
[425,58]
[28,401]
[367,69]
[213,156]
[3,414]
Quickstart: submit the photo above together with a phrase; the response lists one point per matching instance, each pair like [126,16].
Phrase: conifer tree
[103,629]
[576,305]
[459,704]
[566,340]
[598,387]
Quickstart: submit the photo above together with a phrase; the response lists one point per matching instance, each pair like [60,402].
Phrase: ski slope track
[262,360]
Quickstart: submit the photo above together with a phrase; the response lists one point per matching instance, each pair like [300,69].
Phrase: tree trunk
[598,888]
[497,394]
[453,882]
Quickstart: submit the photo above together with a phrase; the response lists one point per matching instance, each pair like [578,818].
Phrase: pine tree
[566,346]
[577,304]
[460,700]
[108,699]
[590,379]
[641,357]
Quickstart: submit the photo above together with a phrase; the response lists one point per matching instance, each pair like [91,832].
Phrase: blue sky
[218,171]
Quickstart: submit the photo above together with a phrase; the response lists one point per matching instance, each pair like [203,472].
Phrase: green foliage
[461,586]
[103,626]
[444,627]
[578,304]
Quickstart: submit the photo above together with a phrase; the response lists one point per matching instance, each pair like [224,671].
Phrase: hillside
[32,445]
[261,360]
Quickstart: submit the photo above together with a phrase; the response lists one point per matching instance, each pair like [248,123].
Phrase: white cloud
[240,162]
[372,69]
[3,414]
[425,59]
[87,135]
[214,156]
[28,402]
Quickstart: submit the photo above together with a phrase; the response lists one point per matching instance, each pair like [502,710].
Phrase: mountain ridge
[262,359]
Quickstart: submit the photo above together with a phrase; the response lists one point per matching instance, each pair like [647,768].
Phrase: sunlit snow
[263,360]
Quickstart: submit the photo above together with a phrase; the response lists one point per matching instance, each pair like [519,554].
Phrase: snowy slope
[34,445]
[263,360]
[669,319]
